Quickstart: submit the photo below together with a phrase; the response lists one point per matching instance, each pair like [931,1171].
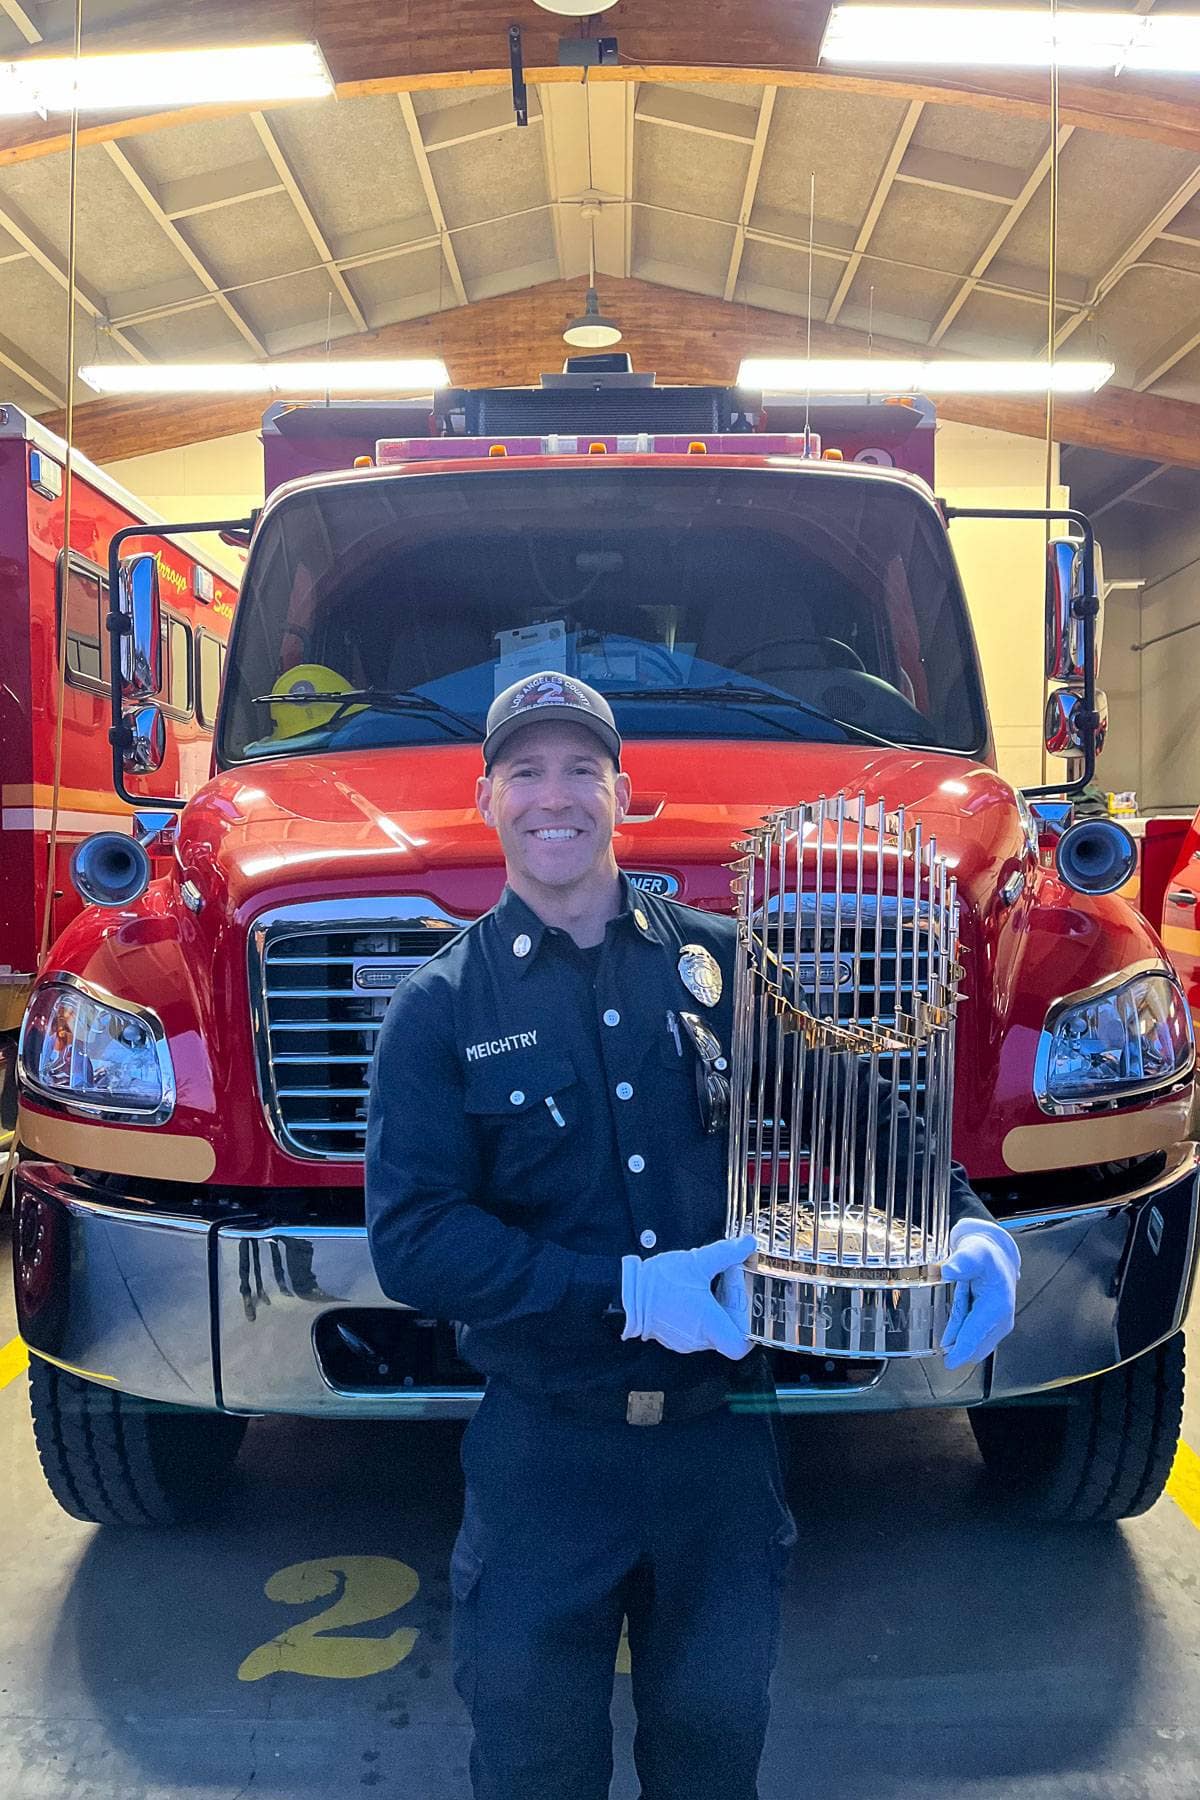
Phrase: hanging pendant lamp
[592,330]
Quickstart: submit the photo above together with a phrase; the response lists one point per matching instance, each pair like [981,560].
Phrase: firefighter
[545,1168]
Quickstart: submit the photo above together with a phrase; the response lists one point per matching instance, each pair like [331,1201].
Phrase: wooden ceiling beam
[683,337]
[405,45]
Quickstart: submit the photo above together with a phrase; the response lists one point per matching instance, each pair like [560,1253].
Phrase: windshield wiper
[400,700]
[756,697]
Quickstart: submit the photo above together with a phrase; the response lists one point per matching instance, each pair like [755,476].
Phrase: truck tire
[1104,1454]
[113,1459]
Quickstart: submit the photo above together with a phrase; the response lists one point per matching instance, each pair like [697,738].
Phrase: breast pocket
[527,1113]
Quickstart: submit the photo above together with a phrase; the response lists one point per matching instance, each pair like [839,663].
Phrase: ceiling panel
[204,334]
[188,150]
[739,95]
[34,318]
[120,246]
[1183,381]
[932,229]
[38,190]
[992,325]
[432,100]
[994,137]
[254,240]
[784,274]
[303,300]
[1147,309]
[843,139]
[1109,188]
[489,249]
[697,253]
[28,399]
[492,177]
[907,292]
[354,163]
[382,286]
[689,173]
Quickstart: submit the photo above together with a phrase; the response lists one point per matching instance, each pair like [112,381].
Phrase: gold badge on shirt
[700,973]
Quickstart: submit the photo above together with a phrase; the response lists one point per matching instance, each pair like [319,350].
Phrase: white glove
[985,1263]
[668,1298]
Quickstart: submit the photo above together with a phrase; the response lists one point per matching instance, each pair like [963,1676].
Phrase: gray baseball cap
[558,699]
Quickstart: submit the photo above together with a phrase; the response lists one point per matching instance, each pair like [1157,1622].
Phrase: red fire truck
[773,618]
[36,583]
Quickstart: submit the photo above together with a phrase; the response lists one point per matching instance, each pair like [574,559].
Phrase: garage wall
[1003,571]
[1155,740]
[218,479]
[1002,565]
[1122,540]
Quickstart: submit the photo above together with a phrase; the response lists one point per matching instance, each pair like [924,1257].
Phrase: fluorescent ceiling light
[153,78]
[942,375]
[418,375]
[1013,37]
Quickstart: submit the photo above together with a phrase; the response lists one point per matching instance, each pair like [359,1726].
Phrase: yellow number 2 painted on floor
[371,1588]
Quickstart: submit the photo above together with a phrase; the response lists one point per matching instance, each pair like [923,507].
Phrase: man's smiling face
[554,799]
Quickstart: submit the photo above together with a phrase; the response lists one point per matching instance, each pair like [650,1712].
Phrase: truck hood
[404,820]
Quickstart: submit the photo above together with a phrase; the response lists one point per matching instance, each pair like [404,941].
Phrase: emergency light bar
[390,451]
[1013,37]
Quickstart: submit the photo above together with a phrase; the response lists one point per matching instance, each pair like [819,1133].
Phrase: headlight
[83,1051]
[1120,1042]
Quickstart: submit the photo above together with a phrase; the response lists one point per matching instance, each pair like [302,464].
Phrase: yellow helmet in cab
[312,689]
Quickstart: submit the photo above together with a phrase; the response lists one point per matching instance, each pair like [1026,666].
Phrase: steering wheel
[847,659]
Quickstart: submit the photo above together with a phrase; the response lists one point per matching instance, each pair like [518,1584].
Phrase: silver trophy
[842,1079]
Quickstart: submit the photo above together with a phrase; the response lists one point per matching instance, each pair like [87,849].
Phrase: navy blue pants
[571,1524]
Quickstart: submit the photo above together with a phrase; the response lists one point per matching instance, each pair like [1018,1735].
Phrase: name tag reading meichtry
[516,1040]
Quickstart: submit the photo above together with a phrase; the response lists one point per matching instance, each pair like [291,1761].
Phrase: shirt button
[517,1097]
[624,1090]
[612,1016]
[647,1240]
[637,1164]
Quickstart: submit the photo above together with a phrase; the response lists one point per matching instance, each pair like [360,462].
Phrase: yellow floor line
[1183,1483]
[14,1360]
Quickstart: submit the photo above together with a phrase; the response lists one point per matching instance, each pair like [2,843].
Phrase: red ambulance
[773,618]
[36,582]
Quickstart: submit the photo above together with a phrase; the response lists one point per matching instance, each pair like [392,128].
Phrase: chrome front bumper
[196,1313]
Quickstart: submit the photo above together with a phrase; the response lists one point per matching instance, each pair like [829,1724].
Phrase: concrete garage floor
[931,1649]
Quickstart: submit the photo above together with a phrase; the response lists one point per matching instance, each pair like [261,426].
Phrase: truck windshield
[706,602]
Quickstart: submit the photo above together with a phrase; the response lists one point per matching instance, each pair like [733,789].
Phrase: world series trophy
[842,1078]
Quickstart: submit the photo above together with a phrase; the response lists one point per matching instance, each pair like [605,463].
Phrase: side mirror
[1064,638]
[146,746]
[1101,590]
[1061,728]
[1064,585]
[141,645]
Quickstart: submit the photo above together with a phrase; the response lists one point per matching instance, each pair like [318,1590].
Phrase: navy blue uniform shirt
[533,1118]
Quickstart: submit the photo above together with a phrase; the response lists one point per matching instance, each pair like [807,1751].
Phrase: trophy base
[844,1319]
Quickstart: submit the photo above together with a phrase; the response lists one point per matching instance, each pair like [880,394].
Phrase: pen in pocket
[673,1028]
[552,1103]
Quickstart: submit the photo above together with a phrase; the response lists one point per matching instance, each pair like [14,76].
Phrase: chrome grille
[321,977]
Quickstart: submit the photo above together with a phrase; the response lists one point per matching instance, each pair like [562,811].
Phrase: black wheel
[113,1459]
[1104,1454]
